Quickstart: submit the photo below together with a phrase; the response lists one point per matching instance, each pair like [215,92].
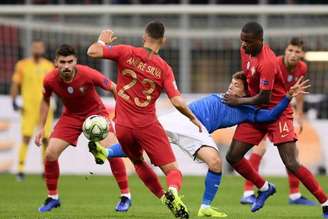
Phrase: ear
[163,41]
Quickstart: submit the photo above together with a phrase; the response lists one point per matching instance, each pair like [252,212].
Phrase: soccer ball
[95,128]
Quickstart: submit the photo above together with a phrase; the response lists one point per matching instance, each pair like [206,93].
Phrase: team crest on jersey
[70,90]
[290,78]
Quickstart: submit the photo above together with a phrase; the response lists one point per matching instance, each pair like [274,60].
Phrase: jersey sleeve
[47,90]
[170,84]
[265,115]
[267,70]
[99,79]
[18,73]
[304,69]
[114,52]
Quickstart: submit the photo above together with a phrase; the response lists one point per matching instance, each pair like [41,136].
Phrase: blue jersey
[214,114]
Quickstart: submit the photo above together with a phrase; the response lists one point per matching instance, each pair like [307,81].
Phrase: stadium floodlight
[316,56]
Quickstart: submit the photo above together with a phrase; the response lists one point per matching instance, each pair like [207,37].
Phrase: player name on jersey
[145,67]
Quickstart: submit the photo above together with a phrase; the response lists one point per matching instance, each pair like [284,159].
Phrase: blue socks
[212,182]
[115,151]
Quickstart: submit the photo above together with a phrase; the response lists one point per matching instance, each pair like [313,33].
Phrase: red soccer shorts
[69,127]
[151,139]
[280,131]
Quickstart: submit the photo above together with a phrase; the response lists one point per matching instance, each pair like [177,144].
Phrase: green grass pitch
[96,196]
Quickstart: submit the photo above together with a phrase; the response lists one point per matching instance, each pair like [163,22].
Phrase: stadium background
[203,49]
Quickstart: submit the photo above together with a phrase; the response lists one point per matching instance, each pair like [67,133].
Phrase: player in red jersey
[266,87]
[292,68]
[76,86]
[142,75]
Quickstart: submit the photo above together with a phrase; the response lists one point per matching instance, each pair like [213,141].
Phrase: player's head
[294,52]
[37,49]
[154,32]
[251,38]
[65,61]
[238,85]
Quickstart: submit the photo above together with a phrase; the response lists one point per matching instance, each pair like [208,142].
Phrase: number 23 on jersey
[147,92]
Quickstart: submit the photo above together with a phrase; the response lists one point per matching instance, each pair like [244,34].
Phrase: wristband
[101,42]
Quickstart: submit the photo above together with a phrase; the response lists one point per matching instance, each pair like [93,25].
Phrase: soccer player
[266,87]
[142,75]
[201,146]
[28,77]
[76,86]
[292,68]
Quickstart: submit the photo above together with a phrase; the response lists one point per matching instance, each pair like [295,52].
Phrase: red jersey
[263,73]
[141,78]
[290,78]
[79,96]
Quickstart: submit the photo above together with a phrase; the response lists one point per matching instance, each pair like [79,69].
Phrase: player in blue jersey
[214,114]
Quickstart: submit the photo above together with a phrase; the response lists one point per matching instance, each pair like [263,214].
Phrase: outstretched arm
[261,98]
[96,50]
[264,115]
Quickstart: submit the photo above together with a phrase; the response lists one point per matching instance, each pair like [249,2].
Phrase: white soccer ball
[95,128]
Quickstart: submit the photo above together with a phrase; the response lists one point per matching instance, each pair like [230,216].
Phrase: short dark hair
[254,28]
[65,50]
[296,41]
[241,76]
[155,29]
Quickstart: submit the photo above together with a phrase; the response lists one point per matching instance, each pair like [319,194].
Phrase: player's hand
[231,99]
[39,137]
[107,36]
[16,107]
[299,87]
[197,123]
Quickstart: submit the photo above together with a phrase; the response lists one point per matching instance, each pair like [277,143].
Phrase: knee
[260,150]
[51,155]
[215,164]
[292,165]
[231,158]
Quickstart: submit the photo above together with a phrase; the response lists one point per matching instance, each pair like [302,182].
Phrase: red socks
[174,179]
[118,169]
[306,177]
[149,178]
[51,176]
[294,183]
[255,161]
[244,168]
